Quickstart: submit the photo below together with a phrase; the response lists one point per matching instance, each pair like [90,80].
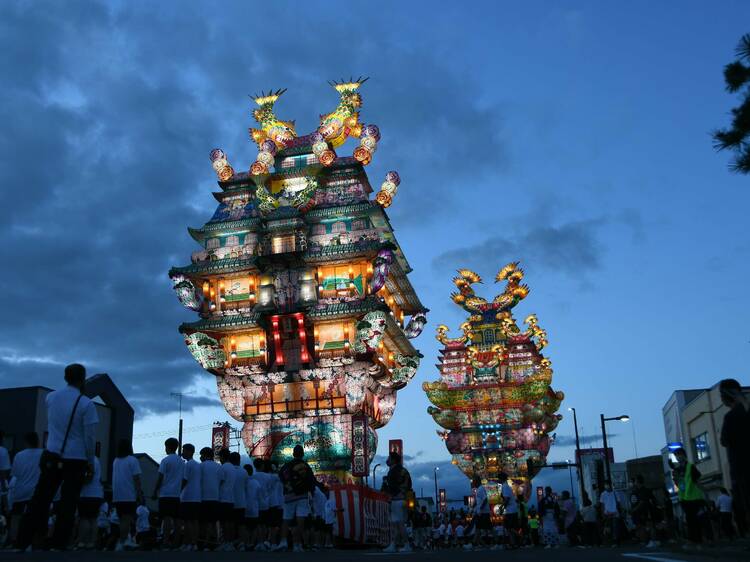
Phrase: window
[338,227]
[233,240]
[212,243]
[700,447]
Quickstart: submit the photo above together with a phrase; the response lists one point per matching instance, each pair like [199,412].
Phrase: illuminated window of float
[246,348]
[333,338]
[238,292]
[296,396]
[283,243]
[342,280]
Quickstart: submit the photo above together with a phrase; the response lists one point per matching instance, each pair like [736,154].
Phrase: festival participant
[92,497]
[275,503]
[483,534]
[692,500]
[510,513]
[263,496]
[330,518]
[298,483]
[724,505]
[211,478]
[397,483]
[190,498]
[534,527]
[24,475]
[642,507]
[126,491]
[319,500]
[167,489]
[144,534]
[226,499]
[252,493]
[735,437]
[611,511]
[590,525]
[569,514]
[67,460]
[240,501]
[548,510]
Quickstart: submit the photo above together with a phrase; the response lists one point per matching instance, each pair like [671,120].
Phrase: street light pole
[434,472]
[622,418]
[578,455]
[374,481]
[178,395]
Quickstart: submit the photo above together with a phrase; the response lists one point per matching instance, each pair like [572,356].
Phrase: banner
[219,438]
[360,456]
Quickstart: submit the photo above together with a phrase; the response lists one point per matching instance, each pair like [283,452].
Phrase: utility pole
[178,395]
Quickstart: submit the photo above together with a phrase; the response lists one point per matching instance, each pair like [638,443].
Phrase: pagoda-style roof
[222,323]
[345,309]
[211,229]
[214,267]
[398,284]
[321,213]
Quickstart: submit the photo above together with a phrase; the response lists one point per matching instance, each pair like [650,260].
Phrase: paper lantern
[226,173]
[393,177]
[389,187]
[258,168]
[361,154]
[369,143]
[327,157]
[371,131]
[266,158]
[384,199]
[319,148]
[316,137]
[217,154]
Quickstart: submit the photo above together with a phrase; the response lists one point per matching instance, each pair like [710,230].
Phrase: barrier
[362,516]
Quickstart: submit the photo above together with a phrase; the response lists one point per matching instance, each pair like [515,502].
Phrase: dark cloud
[571,248]
[570,440]
[109,112]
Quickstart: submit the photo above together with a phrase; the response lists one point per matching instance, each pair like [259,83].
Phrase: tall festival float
[494,400]
[306,309]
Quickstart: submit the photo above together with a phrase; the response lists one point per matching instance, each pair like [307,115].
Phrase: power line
[171,432]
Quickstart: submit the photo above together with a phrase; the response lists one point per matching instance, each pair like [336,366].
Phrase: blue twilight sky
[574,137]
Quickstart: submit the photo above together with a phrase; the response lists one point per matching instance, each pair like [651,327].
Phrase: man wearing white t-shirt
[263,504]
[210,482]
[67,461]
[240,502]
[510,514]
[167,489]
[92,496]
[24,475]
[252,506]
[482,509]
[190,497]
[226,498]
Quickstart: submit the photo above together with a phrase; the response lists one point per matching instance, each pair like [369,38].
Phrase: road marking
[653,557]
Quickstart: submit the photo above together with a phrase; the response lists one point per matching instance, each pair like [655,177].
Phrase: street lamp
[578,453]
[622,418]
[374,482]
[434,472]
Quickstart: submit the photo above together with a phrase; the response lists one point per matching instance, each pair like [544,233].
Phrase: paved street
[558,555]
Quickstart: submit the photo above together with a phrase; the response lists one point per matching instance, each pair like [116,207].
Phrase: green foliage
[737,137]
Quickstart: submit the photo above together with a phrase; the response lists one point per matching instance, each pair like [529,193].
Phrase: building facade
[693,420]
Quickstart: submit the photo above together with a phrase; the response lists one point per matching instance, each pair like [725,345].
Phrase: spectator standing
[275,502]
[126,491]
[692,500]
[611,512]
[570,518]
[298,483]
[92,497]
[226,499]
[318,502]
[24,475]
[190,498]
[264,483]
[735,437]
[510,514]
[167,490]
[483,532]
[211,478]
[724,505]
[330,519]
[590,524]
[252,507]
[240,500]
[397,483]
[66,463]
[548,509]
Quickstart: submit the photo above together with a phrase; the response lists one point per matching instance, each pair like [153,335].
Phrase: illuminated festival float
[306,311]
[494,398]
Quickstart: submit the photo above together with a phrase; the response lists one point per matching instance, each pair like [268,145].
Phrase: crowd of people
[57,501]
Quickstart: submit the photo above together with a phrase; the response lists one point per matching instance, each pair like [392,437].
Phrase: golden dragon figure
[343,122]
[467,299]
[280,132]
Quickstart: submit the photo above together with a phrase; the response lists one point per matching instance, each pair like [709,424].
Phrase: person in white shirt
[211,478]
[275,503]
[92,496]
[262,478]
[226,497]
[190,497]
[143,533]
[252,506]
[319,500]
[167,489]
[724,505]
[330,518]
[240,501]
[66,462]
[510,513]
[611,510]
[482,510]
[126,491]
[24,475]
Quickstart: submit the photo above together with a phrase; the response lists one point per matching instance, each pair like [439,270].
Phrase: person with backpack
[298,481]
[397,484]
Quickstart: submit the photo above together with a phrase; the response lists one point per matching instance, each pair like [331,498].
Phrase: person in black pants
[66,463]
[735,437]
